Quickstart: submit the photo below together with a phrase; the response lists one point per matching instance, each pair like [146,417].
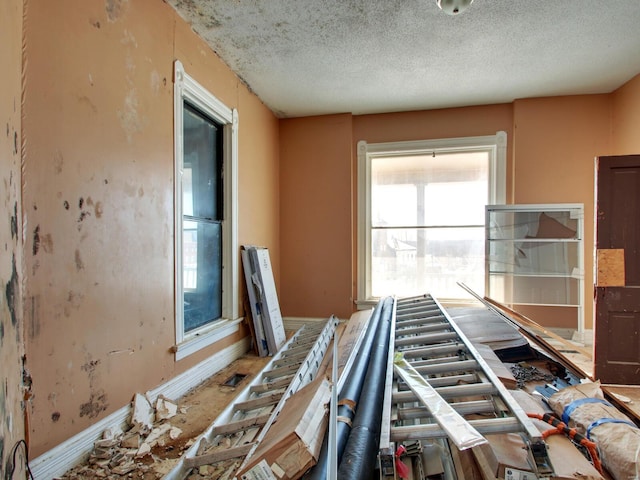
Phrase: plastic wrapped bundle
[618,438]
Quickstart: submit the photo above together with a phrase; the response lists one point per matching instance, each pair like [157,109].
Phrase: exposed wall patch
[11,292]
[36,240]
[79,263]
[14,221]
[115,9]
[97,404]
[128,116]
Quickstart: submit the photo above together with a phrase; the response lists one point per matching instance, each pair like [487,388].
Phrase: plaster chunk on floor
[143,415]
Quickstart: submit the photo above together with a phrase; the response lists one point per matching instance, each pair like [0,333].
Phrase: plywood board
[610,267]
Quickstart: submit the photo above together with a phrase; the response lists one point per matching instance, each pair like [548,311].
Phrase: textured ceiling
[310,57]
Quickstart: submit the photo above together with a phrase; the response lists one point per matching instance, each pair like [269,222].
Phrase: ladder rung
[431,338]
[470,390]
[433,430]
[434,350]
[281,371]
[421,320]
[463,408]
[257,402]
[239,425]
[422,328]
[218,456]
[268,386]
[450,367]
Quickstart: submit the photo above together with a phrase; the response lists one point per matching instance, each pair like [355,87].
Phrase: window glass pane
[411,261]
[427,190]
[202,272]
[201,182]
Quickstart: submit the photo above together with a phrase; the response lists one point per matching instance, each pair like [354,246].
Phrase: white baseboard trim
[75,450]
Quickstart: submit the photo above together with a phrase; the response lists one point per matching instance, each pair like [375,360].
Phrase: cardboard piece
[293,442]
[265,309]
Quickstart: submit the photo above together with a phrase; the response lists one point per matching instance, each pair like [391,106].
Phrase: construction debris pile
[119,453]
[403,395]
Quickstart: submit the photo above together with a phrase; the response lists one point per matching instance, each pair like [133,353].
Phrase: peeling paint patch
[11,292]
[66,205]
[55,416]
[156,82]
[34,316]
[115,8]
[129,119]
[84,100]
[36,240]
[47,243]
[79,263]
[14,221]
[97,403]
[58,162]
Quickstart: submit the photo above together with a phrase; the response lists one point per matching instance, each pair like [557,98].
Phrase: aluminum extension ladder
[236,432]
[435,346]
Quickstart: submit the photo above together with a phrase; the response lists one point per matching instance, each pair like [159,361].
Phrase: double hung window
[421,214]
[205,215]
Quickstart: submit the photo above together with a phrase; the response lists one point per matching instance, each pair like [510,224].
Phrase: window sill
[206,337]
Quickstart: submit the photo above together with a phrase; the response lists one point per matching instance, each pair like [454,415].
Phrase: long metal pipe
[361,450]
[348,398]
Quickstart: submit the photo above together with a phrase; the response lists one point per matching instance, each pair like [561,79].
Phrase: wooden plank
[536,326]
[518,320]
[626,397]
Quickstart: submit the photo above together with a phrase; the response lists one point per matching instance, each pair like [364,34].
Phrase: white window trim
[186,88]
[367,151]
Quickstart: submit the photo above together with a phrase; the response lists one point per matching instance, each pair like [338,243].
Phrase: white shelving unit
[534,256]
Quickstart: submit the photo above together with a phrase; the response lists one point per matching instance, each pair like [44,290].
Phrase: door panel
[617,325]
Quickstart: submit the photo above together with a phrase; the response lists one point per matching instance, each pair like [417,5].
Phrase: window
[205,216]
[421,214]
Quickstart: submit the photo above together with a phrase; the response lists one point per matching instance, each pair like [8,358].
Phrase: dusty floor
[196,411]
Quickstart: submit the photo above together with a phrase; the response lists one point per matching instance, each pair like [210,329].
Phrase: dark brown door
[617,324]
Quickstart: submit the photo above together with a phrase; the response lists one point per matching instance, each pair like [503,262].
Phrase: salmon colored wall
[98,202]
[11,276]
[428,125]
[316,216]
[626,118]
[556,141]
[319,194]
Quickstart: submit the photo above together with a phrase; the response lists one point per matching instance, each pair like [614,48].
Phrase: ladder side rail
[532,432]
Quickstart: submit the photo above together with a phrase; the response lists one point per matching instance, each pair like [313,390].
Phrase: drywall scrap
[118,453]
[268,327]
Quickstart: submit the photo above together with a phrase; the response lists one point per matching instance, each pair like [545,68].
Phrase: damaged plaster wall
[11,324]
[98,202]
